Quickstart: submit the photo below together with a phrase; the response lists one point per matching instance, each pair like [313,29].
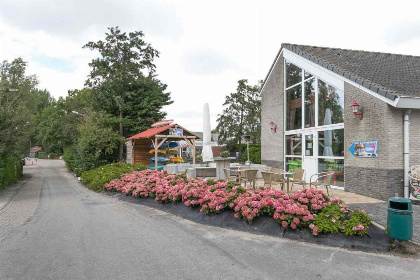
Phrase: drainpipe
[406,152]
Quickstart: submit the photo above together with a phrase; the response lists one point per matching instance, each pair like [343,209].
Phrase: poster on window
[365,149]
[176,131]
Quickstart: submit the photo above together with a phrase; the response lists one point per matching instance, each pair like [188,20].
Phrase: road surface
[53,228]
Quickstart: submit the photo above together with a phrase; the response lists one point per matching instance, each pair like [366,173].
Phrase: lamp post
[247,138]
[356,110]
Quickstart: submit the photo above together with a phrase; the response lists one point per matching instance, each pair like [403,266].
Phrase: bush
[96,178]
[254,153]
[358,224]
[41,155]
[11,170]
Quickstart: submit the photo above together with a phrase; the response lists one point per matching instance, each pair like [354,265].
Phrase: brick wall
[415,137]
[272,111]
[381,177]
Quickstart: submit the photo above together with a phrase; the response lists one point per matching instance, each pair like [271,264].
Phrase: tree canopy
[241,115]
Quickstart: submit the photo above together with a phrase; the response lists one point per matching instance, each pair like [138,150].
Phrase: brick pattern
[129,146]
[380,177]
[22,206]
[272,110]
[415,137]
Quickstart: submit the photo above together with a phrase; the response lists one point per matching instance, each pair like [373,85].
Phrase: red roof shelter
[138,145]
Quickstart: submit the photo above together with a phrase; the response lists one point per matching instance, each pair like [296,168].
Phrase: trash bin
[400,218]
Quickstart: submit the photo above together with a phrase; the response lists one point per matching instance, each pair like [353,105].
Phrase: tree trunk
[121,147]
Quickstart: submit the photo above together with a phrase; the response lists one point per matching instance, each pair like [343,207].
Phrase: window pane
[309,145]
[294,108]
[292,163]
[331,143]
[308,75]
[293,74]
[310,103]
[330,104]
[294,145]
[336,165]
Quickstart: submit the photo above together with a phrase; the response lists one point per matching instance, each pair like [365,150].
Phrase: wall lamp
[357,110]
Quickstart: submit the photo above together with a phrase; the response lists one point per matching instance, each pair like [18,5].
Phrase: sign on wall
[365,149]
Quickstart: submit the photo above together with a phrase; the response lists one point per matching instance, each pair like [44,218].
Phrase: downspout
[406,152]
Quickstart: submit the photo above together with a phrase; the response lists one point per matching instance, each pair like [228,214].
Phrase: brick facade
[272,110]
[415,137]
[380,177]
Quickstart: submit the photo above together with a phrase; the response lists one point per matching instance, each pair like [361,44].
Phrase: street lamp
[247,139]
[356,110]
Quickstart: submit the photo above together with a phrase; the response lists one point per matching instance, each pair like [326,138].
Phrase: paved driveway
[77,234]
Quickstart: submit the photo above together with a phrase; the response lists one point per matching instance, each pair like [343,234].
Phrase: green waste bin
[400,218]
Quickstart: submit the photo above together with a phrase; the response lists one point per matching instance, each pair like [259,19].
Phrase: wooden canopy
[157,136]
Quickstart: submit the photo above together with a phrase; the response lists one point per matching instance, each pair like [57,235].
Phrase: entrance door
[309,160]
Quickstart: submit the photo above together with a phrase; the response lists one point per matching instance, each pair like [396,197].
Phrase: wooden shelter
[139,145]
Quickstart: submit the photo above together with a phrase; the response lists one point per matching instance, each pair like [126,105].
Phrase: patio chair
[326,180]
[279,177]
[242,174]
[227,175]
[267,178]
[251,176]
[298,177]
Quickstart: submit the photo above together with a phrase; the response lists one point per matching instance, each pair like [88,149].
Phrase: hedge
[96,178]
[11,170]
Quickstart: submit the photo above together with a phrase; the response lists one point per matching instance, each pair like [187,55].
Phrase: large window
[330,104]
[331,143]
[310,103]
[294,108]
[293,74]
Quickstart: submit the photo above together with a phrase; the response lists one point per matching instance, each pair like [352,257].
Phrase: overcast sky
[206,46]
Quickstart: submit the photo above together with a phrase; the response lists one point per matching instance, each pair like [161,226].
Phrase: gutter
[406,152]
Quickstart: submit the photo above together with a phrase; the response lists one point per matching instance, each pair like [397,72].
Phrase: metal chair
[298,177]
[227,175]
[326,182]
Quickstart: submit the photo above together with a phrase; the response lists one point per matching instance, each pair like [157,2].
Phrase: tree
[241,115]
[123,78]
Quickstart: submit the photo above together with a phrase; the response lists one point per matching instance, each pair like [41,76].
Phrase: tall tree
[241,115]
[123,77]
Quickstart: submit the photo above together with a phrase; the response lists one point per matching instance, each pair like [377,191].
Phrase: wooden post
[193,149]
[156,153]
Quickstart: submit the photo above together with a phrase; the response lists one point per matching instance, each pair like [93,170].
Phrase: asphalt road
[77,234]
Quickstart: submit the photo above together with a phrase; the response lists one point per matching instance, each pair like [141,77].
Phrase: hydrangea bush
[307,208]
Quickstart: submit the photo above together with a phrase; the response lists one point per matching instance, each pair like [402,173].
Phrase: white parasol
[328,152]
[207,153]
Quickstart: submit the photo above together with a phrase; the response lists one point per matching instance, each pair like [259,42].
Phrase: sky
[205,46]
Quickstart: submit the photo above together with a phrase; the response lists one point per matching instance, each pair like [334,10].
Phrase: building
[308,101]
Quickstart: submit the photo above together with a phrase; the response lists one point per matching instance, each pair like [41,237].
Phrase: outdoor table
[287,173]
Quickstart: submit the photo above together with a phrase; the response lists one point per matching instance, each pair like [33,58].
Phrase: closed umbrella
[207,153]
[328,152]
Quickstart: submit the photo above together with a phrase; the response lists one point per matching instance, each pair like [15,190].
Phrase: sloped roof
[156,130]
[151,132]
[390,75]
[35,149]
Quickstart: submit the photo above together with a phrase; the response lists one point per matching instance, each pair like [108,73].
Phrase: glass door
[309,155]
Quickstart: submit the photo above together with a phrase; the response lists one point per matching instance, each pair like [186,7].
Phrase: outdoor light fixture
[356,110]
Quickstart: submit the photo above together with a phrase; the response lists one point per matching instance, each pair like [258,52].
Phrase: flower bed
[308,208]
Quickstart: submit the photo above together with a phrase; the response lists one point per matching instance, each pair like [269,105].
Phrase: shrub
[41,155]
[11,170]
[329,219]
[96,178]
[358,224]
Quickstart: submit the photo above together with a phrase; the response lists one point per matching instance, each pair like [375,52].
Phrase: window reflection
[294,145]
[331,143]
[293,74]
[310,103]
[330,104]
[333,165]
[294,108]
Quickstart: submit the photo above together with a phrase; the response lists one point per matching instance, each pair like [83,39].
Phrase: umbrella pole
[156,153]
[193,149]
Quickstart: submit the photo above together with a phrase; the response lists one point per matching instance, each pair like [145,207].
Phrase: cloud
[55,63]
[400,33]
[206,62]
[73,18]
